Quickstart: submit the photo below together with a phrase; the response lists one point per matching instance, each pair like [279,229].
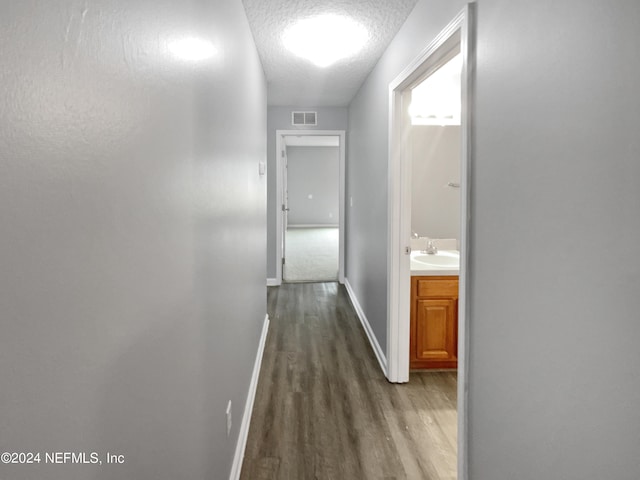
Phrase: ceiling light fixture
[325,39]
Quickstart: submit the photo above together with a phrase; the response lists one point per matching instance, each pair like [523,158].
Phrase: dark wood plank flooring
[324,410]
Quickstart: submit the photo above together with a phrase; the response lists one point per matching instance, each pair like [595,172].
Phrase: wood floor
[324,410]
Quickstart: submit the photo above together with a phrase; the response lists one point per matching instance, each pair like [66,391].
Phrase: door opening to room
[434,156]
[430,153]
[311,191]
[311,209]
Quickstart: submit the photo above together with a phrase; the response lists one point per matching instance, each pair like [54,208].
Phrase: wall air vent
[304,118]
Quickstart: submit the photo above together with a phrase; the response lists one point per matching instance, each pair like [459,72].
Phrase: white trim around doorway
[280,134]
[460,32]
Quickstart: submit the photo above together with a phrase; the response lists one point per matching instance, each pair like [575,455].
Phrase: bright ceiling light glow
[192,49]
[437,100]
[325,39]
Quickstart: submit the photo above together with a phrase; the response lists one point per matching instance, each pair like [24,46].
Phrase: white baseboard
[379,352]
[241,445]
[273,282]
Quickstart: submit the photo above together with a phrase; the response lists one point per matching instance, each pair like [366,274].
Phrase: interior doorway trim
[280,146]
[461,31]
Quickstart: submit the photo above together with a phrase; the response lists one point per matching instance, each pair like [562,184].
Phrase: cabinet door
[435,333]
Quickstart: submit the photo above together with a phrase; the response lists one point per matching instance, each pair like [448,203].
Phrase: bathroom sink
[440,259]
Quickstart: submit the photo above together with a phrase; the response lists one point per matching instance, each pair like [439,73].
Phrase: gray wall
[555,271]
[367,164]
[435,155]
[313,171]
[279,118]
[133,235]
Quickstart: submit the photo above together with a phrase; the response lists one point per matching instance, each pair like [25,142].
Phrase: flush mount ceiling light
[325,39]
[192,49]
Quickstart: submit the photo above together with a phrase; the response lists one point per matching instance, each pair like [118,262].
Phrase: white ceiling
[293,81]
[312,141]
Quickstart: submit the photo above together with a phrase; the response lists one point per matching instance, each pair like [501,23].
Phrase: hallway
[324,410]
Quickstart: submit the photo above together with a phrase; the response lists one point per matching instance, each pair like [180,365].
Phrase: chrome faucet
[430,249]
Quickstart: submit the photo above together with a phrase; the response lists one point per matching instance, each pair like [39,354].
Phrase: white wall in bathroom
[435,207]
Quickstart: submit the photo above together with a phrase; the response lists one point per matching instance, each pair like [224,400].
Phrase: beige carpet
[311,255]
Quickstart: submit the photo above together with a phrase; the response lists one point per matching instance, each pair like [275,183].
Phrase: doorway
[310,190]
[456,38]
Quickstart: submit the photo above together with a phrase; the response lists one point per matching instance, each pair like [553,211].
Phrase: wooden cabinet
[434,322]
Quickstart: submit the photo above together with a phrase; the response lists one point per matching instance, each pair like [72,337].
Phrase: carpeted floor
[311,255]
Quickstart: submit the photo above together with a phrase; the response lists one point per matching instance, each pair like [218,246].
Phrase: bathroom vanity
[434,310]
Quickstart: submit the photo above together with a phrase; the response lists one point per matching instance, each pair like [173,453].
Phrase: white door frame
[459,32]
[280,146]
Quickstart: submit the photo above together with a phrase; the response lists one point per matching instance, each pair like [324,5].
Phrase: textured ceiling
[295,81]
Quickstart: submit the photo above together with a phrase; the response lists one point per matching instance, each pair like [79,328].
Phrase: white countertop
[445,262]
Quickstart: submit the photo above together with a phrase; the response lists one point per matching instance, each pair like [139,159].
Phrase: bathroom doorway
[310,228]
[434,145]
[455,41]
